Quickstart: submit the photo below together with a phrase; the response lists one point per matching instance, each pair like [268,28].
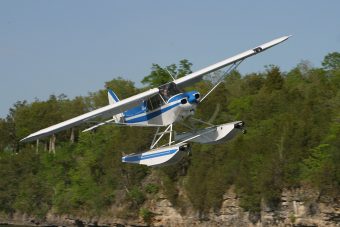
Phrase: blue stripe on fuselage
[190,96]
[176,97]
[135,111]
[152,114]
[139,157]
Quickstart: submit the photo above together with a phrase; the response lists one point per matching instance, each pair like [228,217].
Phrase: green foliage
[151,188]
[9,173]
[146,215]
[293,138]
[5,136]
[332,61]
[274,79]
[159,75]
[136,196]
[292,218]
[123,89]
[321,168]
[316,163]
[23,184]
[169,178]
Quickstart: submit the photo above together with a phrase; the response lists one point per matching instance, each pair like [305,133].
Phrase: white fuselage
[176,109]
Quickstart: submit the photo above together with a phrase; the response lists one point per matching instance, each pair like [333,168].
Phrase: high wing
[123,105]
[106,111]
[198,75]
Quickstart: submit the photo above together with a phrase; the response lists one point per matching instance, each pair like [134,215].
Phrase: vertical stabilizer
[113,98]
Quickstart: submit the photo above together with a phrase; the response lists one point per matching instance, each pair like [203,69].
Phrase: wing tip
[284,38]
[287,37]
[26,139]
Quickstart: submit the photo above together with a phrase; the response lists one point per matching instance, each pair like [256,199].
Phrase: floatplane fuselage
[162,107]
[170,105]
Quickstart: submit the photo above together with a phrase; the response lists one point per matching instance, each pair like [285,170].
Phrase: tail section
[113,98]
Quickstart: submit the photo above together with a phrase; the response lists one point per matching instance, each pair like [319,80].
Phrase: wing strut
[226,73]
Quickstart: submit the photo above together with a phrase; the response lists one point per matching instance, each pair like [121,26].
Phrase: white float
[160,156]
[214,134]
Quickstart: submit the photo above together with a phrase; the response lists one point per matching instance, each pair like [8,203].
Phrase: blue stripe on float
[139,157]
[151,115]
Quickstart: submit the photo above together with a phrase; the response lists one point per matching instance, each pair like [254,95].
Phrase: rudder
[113,98]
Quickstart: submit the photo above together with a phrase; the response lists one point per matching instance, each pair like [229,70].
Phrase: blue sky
[73,47]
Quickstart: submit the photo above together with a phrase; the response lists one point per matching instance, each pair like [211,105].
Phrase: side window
[154,102]
[168,90]
[149,104]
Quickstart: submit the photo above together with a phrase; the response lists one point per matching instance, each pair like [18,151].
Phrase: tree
[293,137]
[274,80]
[159,75]
[123,88]
[5,138]
[331,61]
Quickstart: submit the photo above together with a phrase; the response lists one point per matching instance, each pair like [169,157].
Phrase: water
[3,225]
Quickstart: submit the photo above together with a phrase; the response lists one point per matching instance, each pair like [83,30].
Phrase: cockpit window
[168,90]
[154,102]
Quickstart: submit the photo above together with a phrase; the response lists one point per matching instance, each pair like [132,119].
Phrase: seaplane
[162,107]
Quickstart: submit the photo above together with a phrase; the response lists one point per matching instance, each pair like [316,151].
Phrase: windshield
[168,90]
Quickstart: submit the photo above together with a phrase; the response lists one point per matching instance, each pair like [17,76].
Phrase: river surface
[15,226]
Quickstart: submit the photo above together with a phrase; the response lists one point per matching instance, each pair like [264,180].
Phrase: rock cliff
[298,207]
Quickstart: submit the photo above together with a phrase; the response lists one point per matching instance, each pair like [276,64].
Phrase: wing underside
[103,112]
[198,75]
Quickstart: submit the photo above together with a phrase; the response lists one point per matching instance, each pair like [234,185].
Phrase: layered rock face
[298,207]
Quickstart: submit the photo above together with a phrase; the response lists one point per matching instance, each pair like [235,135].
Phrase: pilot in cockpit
[168,90]
[165,94]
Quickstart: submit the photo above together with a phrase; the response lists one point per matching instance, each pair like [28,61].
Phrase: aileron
[198,75]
